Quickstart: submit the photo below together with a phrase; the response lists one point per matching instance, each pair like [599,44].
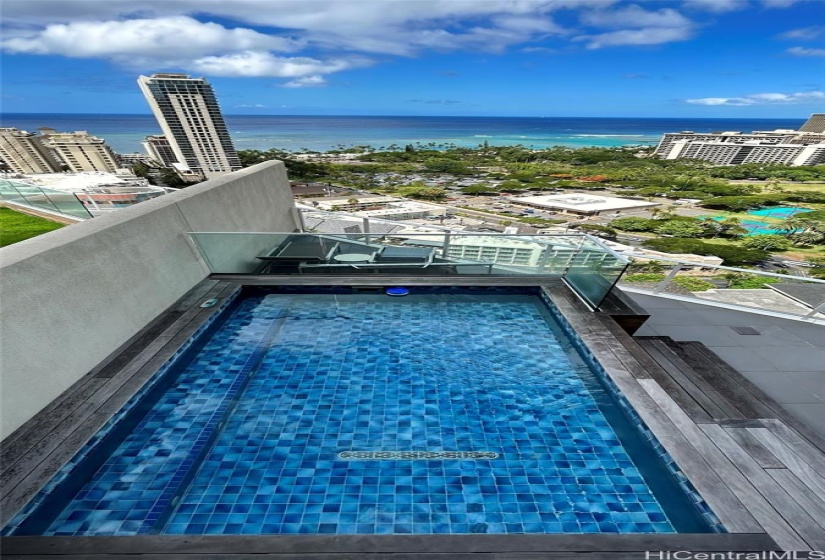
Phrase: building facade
[188,113]
[789,147]
[160,150]
[815,124]
[80,151]
[24,152]
[725,153]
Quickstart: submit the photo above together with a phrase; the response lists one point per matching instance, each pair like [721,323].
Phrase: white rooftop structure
[78,182]
[577,203]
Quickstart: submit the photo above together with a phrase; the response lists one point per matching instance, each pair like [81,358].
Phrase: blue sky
[688,58]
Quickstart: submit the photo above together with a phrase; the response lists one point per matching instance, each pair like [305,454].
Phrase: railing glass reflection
[590,267]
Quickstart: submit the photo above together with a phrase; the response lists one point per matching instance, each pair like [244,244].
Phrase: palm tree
[731,227]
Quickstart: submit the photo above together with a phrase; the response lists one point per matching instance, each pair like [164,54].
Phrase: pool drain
[415,455]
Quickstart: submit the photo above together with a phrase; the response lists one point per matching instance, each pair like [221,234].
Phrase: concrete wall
[72,296]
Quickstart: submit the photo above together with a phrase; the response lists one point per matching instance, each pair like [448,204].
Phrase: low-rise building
[581,204]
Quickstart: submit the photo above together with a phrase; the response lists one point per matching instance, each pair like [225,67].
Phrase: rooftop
[583,202]
[714,382]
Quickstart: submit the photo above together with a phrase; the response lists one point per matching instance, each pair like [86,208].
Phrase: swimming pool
[359,413]
[766,228]
[782,212]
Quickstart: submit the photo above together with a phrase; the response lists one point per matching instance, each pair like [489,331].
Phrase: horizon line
[424,116]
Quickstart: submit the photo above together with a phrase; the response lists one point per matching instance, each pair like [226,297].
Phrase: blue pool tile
[409,376]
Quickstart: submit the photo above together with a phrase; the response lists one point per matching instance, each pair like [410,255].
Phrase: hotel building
[24,152]
[188,113]
[80,151]
[805,146]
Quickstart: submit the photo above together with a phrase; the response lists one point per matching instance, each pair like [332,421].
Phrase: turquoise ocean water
[261,132]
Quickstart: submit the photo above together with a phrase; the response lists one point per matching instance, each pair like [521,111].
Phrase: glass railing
[588,266]
[788,293]
[38,198]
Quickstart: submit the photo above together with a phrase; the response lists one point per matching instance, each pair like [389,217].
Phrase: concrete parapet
[72,296]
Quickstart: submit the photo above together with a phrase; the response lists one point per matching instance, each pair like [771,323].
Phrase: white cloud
[778,3]
[307,81]
[649,36]
[636,26]
[635,17]
[716,6]
[762,99]
[804,51]
[256,64]
[162,38]
[804,33]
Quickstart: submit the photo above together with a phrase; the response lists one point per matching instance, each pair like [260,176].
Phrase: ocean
[262,132]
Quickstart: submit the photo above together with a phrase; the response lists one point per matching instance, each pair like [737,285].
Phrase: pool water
[302,413]
[781,212]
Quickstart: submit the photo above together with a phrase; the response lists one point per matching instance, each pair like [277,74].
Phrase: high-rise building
[160,150]
[24,152]
[188,113]
[814,124]
[80,151]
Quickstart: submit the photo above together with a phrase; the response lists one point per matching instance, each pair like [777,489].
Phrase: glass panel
[591,267]
[737,287]
[43,199]
[594,270]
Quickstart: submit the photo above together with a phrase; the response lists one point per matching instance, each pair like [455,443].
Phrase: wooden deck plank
[803,448]
[373,544]
[711,370]
[754,503]
[754,448]
[699,389]
[24,441]
[379,280]
[53,418]
[19,443]
[22,480]
[789,508]
[45,442]
[810,477]
[549,555]
[693,401]
[718,495]
[799,492]
[744,384]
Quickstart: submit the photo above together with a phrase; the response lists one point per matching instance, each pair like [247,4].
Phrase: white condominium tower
[188,114]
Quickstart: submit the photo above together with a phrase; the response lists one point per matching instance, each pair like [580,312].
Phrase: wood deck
[759,473]
[756,466]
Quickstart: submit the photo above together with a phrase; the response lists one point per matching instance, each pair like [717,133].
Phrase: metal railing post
[818,309]
[366,230]
[666,282]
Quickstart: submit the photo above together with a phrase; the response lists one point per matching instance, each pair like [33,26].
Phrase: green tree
[634,224]
[680,228]
[171,179]
[806,238]
[767,242]
[730,254]
[744,281]
[479,190]
[732,227]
